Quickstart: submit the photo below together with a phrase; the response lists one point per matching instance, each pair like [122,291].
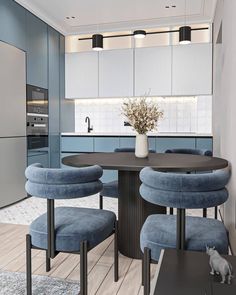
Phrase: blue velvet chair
[110,189]
[68,229]
[200,152]
[181,191]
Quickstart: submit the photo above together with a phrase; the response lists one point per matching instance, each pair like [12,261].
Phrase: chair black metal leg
[216,212]
[204,213]
[48,264]
[83,268]
[100,202]
[28,266]
[171,211]
[142,271]
[116,258]
[180,229]
[146,274]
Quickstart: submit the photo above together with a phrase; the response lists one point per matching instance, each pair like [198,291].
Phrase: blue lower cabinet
[152,143]
[162,144]
[109,175]
[41,158]
[77,144]
[105,144]
[204,143]
[127,142]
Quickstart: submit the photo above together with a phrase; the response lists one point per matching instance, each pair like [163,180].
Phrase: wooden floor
[66,266]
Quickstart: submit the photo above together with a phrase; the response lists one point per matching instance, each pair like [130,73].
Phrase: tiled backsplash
[181,114]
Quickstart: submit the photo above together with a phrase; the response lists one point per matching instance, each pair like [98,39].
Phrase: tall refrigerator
[12,124]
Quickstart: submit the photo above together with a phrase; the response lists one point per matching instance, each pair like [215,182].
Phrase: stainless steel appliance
[37,117]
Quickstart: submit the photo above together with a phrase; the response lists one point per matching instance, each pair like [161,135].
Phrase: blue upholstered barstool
[181,191]
[68,229]
[110,189]
[200,152]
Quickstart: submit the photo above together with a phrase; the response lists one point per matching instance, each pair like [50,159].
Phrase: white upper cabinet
[153,71]
[192,69]
[81,72]
[116,73]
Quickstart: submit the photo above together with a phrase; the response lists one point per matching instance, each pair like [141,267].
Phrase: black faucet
[87,119]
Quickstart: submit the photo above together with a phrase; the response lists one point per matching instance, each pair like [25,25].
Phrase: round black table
[132,208]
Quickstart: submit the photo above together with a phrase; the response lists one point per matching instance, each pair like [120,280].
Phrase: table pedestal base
[133,211]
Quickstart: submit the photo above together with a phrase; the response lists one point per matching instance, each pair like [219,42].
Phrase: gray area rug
[15,284]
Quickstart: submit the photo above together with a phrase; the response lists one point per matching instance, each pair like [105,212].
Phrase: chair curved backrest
[129,150]
[62,183]
[200,152]
[186,191]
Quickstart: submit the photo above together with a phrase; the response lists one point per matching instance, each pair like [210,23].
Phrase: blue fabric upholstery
[184,190]
[73,225]
[110,189]
[201,152]
[159,232]
[62,183]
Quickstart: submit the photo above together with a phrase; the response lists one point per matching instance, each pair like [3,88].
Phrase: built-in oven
[37,117]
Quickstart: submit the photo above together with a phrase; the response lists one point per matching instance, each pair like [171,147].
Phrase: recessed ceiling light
[173,6]
[167,6]
[73,17]
[67,17]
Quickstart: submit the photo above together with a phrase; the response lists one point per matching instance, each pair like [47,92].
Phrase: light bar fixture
[139,34]
[184,36]
[97,40]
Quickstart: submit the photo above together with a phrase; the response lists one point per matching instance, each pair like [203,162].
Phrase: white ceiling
[114,15]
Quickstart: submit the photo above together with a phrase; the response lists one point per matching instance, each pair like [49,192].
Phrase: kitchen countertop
[113,134]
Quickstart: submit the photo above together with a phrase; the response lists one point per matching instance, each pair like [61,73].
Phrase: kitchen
[71,70]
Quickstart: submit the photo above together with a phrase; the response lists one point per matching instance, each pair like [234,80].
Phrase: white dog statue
[219,265]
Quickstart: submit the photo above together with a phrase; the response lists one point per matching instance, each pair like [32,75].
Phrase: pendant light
[185,31]
[139,34]
[97,41]
[185,35]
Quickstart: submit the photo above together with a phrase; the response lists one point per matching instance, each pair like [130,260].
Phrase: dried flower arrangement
[142,114]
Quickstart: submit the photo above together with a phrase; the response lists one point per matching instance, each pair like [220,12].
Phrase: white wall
[224,102]
[181,114]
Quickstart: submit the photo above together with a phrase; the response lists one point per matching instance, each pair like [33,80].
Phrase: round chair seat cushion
[73,225]
[110,189]
[159,232]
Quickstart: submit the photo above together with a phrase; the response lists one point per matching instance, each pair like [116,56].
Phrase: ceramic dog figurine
[219,265]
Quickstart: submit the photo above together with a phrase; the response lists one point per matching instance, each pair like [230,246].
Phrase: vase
[141,146]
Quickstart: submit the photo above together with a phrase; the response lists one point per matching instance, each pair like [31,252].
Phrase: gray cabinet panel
[13,96]
[153,71]
[13,23]
[37,51]
[82,75]
[192,69]
[12,170]
[116,73]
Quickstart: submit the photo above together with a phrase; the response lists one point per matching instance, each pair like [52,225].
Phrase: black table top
[158,161]
[188,273]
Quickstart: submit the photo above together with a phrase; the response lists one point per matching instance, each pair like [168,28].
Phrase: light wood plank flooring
[66,266]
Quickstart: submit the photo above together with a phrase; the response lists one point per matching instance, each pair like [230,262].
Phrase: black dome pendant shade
[185,35]
[139,34]
[97,40]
